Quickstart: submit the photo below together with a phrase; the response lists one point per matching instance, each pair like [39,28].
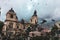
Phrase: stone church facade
[13,26]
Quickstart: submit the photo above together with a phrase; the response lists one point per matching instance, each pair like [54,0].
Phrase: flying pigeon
[53,20]
[43,21]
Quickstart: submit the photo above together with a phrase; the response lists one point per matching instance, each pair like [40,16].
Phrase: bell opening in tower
[11,16]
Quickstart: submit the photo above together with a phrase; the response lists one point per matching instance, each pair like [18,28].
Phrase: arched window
[11,16]
[17,26]
[10,25]
[35,22]
[31,20]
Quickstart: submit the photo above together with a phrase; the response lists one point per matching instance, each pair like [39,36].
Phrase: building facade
[13,26]
[11,22]
[34,18]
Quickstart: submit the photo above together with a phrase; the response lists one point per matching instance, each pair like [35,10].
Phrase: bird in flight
[53,20]
[44,21]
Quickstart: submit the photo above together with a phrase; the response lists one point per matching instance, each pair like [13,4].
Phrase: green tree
[54,32]
[1,25]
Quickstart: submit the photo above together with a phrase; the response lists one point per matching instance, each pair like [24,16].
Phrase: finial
[11,10]
[35,13]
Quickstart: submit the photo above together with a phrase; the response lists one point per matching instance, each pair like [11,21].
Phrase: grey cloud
[46,8]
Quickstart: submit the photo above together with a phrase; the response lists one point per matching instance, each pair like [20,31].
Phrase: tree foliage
[1,25]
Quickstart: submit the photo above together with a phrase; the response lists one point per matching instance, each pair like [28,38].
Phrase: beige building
[13,26]
[57,24]
[34,34]
[34,19]
[10,23]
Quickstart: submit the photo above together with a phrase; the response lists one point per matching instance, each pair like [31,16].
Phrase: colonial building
[13,26]
[11,22]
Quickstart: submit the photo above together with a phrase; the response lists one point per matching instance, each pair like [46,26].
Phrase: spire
[22,21]
[11,10]
[35,13]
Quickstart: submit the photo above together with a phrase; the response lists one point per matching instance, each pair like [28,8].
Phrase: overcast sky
[47,9]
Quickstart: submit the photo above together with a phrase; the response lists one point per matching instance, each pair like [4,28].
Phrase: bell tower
[34,18]
[11,21]
[11,15]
